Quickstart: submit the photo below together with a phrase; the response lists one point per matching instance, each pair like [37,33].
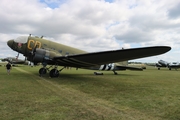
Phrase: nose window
[21,39]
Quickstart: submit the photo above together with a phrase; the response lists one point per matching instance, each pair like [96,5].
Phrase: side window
[67,53]
[60,51]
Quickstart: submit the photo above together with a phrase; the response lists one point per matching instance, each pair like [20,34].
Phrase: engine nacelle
[41,55]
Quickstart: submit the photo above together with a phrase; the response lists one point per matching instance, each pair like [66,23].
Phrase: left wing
[99,58]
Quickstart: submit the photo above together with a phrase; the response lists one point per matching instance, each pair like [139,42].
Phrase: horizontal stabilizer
[129,68]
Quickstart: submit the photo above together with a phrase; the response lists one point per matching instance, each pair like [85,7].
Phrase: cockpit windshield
[21,39]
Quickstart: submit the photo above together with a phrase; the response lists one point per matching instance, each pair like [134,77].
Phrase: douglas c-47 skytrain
[173,65]
[39,50]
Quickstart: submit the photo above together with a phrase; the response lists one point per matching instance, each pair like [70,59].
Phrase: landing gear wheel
[54,73]
[42,71]
[115,73]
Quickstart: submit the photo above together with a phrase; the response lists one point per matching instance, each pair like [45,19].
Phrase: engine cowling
[39,55]
[42,55]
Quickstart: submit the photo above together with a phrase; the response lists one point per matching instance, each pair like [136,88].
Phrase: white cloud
[93,25]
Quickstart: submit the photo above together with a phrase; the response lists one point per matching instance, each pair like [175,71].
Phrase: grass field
[80,95]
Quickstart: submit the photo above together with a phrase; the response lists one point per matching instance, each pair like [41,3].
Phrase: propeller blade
[17,56]
[32,53]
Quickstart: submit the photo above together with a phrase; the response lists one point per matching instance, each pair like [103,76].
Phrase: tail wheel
[54,73]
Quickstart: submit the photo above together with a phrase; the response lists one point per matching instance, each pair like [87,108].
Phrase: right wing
[105,57]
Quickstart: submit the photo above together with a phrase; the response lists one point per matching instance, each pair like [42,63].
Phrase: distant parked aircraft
[173,65]
[14,60]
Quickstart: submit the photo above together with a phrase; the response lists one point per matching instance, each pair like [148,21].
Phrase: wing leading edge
[99,58]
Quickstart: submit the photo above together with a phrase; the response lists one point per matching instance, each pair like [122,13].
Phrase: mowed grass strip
[78,94]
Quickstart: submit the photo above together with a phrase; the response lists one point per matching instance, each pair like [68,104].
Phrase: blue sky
[110,1]
[56,3]
[53,3]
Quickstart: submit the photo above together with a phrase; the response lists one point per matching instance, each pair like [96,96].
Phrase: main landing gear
[53,72]
[42,71]
[115,73]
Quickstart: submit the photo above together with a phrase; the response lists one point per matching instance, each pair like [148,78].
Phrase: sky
[94,25]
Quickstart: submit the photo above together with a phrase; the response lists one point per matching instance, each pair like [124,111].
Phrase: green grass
[80,95]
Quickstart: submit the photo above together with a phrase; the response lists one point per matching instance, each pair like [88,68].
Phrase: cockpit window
[21,39]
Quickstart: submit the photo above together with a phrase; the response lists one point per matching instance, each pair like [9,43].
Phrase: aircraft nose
[10,43]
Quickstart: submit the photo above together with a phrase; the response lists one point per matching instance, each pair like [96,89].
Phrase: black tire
[54,73]
[42,71]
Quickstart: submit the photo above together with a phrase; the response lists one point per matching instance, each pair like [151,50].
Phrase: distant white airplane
[173,65]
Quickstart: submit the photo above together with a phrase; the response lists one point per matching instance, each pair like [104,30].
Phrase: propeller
[32,53]
[25,59]
[17,56]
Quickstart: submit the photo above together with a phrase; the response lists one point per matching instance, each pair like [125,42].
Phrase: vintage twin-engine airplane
[14,60]
[162,63]
[39,50]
